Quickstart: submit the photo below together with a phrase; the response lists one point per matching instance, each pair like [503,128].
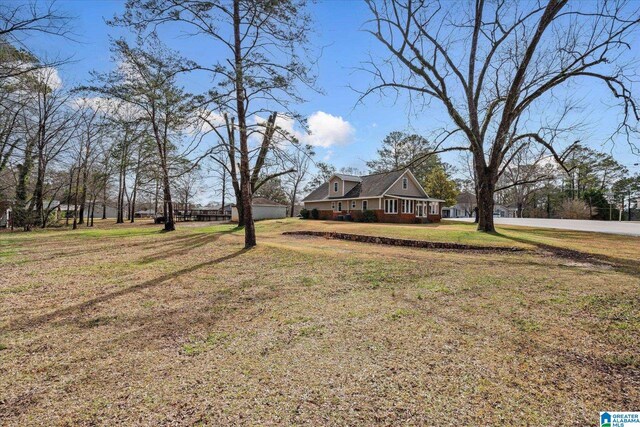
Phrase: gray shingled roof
[346,177]
[319,193]
[369,186]
[261,201]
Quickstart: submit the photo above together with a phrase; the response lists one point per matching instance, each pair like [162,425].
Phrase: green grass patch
[213,340]
[311,331]
[526,325]
[400,313]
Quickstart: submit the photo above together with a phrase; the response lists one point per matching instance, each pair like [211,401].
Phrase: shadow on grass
[185,245]
[39,320]
[627,266]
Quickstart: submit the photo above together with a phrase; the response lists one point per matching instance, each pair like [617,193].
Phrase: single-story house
[110,212]
[145,213]
[464,207]
[393,197]
[502,211]
[263,208]
[466,204]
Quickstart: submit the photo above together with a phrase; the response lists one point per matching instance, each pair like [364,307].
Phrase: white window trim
[353,204]
[335,187]
[405,182]
[407,206]
[333,206]
[339,206]
[433,208]
[391,206]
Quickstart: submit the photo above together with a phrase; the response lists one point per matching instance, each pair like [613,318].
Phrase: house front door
[419,210]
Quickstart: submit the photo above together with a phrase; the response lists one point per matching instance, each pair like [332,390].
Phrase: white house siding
[269,212]
[263,212]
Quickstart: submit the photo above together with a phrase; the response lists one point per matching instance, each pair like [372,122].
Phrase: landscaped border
[390,241]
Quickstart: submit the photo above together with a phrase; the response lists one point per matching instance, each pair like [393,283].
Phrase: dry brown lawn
[129,326]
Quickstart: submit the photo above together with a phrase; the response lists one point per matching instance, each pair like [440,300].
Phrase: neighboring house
[504,211]
[146,213]
[110,212]
[263,209]
[466,204]
[464,207]
[392,196]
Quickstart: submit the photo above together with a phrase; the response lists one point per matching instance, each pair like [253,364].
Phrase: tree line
[499,72]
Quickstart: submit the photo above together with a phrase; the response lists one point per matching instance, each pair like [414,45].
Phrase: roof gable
[346,177]
[368,186]
[413,179]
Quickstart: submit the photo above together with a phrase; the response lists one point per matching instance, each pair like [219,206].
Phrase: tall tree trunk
[83,198]
[21,215]
[121,187]
[240,210]
[245,176]
[486,190]
[39,190]
[169,225]
[104,202]
[155,203]
[93,210]
[66,220]
[224,188]
[75,200]
[293,199]
[132,204]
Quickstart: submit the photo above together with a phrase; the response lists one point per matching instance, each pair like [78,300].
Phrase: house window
[365,205]
[333,206]
[353,204]
[405,183]
[335,187]
[391,206]
[339,206]
[433,208]
[407,206]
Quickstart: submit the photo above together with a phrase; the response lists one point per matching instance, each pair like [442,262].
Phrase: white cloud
[48,76]
[327,130]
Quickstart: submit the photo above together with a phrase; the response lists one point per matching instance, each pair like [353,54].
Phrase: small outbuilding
[263,209]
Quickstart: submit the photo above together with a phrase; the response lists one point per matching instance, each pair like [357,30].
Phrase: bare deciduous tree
[498,68]
[258,74]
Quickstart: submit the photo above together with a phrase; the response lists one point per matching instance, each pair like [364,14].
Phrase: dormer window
[335,187]
[405,183]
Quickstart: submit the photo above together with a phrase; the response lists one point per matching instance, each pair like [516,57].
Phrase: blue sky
[339,32]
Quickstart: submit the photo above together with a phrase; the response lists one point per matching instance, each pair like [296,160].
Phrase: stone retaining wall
[401,242]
